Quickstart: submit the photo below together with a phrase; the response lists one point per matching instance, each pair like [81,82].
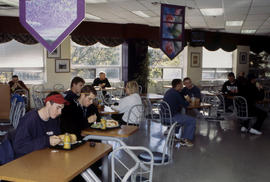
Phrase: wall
[237,67]
[195,73]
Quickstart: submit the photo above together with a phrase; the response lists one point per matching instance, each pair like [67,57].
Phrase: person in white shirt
[125,104]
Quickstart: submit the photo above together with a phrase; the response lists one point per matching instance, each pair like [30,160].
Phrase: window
[216,64]
[88,61]
[23,60]
[162,68]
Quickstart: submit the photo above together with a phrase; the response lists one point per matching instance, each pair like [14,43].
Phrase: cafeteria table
[53,165]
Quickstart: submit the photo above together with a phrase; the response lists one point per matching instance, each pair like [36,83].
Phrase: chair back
[240,107]
[136,114]
[127,167]
[148,114]
[38,102]
[165,113]
[169,144]
[18,113]
[215,102]
[12,108]
[140,89]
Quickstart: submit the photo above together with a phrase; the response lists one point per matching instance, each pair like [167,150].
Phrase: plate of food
[110,124]
[73,142]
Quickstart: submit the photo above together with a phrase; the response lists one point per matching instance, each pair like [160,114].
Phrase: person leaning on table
[38,129]
[124,105]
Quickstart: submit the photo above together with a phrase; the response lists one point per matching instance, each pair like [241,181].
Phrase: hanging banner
[172,29]
[51,21]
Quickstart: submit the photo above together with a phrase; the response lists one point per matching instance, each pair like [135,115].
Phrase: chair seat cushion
[157,157]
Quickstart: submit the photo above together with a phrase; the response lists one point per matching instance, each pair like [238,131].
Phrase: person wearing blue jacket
[38,129]
[176,102]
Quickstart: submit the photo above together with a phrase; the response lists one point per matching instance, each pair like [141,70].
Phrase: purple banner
[51,21]
[172,29]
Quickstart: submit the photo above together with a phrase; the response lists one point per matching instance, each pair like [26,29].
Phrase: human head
[242,74]
[132,87]
[76,84]
[88,94]
[231,77]
[15,78]
[252,78]
[54,103]
[187,82]
[177,84]
[102,75]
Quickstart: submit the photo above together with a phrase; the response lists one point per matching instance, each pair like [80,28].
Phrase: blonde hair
[133,87]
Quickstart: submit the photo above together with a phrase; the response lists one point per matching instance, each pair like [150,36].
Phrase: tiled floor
[220,154]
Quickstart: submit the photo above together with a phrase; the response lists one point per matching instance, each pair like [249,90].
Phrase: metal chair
[217,108]
[135,114]
[150,110]
[140,89]
[165,113]
[143,166]
[241,109]
[164,157]
[125,167]
[18,113]
[38,102]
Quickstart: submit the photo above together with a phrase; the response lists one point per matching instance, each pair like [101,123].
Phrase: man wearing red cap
[39,129]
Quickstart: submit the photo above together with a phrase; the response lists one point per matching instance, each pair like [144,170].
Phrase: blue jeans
[189,124]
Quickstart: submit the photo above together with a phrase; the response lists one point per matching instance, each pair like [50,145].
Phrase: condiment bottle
[67,144]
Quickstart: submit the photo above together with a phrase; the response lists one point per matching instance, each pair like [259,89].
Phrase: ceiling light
[141,14]
[95,1]
[212,11]
[248,31]
[234,23]
[89,16]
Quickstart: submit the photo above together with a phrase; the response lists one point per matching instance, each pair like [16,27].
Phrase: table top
[123,132]
[167,86]
[107,111]
[205,92]
[202,105]
[153,96]
[46,165]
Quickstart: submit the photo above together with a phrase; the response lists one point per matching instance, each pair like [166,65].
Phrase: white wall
[195,73]
[237,67]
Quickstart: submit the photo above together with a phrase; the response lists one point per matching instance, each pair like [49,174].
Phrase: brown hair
[87,89]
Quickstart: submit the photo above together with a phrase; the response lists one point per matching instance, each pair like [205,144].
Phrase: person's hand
[54,140]
[92,118]
[187,98]
[103,84]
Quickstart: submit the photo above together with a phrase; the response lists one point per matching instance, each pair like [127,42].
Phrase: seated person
[176,101]
[132,98]
[253,93]
[230,88]
[102,81]
[78,115]
[39,129]
[190,90]
[16,84]
[75,89]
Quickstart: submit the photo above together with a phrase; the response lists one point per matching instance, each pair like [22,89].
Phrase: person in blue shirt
[38,129]
[176,102]
[76,85]
[190,89]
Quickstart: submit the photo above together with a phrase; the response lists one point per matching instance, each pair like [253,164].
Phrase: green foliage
[95,55]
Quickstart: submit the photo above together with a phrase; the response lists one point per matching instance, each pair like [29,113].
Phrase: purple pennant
[51,21]
[172,29]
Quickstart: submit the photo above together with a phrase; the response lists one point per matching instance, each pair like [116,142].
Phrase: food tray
[73,146]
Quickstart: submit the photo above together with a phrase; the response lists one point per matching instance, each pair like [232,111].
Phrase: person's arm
[197,93]
[22,85]
[95,83]
[183,102]
[122,106]
[107,83]
[24,142]
[224,88]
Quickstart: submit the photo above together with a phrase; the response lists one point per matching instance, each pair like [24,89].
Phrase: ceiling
[255,14]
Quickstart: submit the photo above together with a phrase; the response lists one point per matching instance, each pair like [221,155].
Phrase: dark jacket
[228,86]
[33,133]
[6,152]
[70,96]
[194,91]
[252,95]
[175,100]
[97,81]
[74,118]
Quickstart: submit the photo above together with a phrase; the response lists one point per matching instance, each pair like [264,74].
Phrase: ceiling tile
[209,3]
[261,3]
[253,23]
[132,6]
[260,10]
[236,3]
[234,17]
[257,17]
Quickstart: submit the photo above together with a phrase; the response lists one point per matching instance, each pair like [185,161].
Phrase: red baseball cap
[58,98]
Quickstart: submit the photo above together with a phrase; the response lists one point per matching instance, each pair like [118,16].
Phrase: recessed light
[248,31]
[234,23]
[212,11]
[93,17]
[141,14]
[95,1]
